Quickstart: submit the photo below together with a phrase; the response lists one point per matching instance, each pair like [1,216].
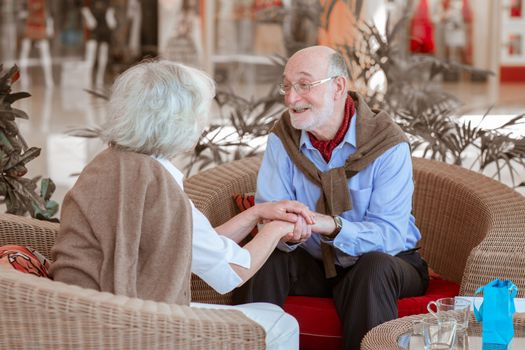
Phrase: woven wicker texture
[38,313]
[212,191]
[455,209]
[39,235]
[385,336]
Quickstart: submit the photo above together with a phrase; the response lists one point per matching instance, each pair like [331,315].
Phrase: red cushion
[320,327]
[245,201]
[437,289]
[24,259]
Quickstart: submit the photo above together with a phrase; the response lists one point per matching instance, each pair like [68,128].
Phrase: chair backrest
[455,209]
[25,231]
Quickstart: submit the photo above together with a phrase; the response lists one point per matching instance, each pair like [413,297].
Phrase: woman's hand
[279,229]
[285,210]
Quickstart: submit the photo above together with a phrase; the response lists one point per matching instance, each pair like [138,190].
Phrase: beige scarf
[376,132]
[126,228]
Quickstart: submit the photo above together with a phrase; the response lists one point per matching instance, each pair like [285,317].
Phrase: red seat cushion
[320,327]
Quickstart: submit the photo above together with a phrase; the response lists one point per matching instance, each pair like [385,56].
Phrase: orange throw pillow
[243,202]
[24,259]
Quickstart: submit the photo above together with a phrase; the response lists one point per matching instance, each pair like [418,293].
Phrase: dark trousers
[365,294]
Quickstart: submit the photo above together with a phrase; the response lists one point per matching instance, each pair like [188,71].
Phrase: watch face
[338,226]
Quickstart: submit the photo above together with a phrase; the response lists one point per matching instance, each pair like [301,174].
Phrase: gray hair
[337,66]
[158,108]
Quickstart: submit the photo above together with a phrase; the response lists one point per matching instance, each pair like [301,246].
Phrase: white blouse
[211,252]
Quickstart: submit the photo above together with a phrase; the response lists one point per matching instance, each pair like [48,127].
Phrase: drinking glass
[458,308]
[439,333]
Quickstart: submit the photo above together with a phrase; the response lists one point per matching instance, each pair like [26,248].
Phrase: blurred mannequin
[8,19]
[186,44]
[455,30]
[134,14]
[100,20]
[38,28]
[226,42]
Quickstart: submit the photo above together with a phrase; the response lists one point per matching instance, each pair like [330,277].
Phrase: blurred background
[452,72]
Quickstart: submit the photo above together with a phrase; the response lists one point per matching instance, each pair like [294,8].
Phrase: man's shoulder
[275,144]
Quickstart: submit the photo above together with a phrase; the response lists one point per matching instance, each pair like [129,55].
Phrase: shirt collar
[177,175]
[350,136]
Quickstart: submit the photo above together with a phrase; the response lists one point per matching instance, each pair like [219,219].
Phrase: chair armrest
[26,231]
[37,313]
[502,253]
[456,209]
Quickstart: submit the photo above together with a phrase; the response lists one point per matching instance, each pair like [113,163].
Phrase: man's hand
[285,210]
[301,232]
[324,224]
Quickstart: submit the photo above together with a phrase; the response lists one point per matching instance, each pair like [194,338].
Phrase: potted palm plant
[17,192]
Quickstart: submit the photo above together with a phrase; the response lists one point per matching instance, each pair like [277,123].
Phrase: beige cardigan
[126,228]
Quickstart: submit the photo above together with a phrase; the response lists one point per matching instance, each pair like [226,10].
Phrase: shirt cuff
[221,276]
[344,240]
[220,281]
[284,247]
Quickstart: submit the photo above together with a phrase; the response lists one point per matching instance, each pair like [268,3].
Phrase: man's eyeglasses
[302,88]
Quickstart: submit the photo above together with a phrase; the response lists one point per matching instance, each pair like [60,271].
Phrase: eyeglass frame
[310,86]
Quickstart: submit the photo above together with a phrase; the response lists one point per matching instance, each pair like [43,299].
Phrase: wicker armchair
[455,209]
[39,313]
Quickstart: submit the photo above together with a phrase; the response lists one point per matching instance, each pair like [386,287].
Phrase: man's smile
[299,109]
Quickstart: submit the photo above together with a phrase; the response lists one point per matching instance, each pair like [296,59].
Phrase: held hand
[285,210]
[282,229]
[302,231]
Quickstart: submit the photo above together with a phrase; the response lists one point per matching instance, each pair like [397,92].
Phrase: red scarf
[326,147]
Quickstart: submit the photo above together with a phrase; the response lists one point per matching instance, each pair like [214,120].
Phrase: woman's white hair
[158,108]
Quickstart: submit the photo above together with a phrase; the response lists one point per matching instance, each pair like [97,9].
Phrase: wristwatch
[338,226]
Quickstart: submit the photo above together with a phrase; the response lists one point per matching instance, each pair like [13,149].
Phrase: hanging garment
[36,25]
[421,31]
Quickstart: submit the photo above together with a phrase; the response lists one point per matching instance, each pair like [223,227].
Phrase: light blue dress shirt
[380,219]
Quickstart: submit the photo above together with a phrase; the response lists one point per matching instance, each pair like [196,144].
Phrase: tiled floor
[54,111]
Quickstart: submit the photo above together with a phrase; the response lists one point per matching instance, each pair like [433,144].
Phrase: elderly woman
[128,228]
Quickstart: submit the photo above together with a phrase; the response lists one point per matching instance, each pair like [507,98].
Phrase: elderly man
[353,167]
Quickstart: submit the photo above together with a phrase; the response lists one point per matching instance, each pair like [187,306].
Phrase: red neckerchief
[326,147]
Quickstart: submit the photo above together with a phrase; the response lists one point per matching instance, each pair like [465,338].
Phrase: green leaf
[9,99]
[5,143]
[47,188]
[51,208]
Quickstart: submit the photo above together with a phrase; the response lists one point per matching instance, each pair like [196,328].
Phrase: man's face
[311,111]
